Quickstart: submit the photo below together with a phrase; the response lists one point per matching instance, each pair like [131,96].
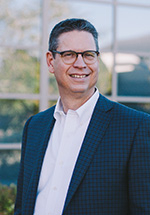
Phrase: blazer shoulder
[121,111]
[42,117]
[46,112]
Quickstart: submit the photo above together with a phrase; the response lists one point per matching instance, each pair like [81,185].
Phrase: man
[86,155]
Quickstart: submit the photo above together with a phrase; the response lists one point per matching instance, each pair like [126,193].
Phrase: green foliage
[13,115]
[19,72]
[104,79]
[7,199]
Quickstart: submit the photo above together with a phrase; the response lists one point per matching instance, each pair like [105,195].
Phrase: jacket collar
[101,118]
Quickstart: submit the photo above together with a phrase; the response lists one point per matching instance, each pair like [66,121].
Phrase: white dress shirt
[61,156]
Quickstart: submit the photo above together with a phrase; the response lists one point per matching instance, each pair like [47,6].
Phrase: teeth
[78,76]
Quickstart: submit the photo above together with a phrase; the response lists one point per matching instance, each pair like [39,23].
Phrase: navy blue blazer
[112,172]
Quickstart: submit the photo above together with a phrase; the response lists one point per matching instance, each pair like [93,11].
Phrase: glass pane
[146,2]
[13,115]
[133,75]
[104,83]
[20,22]
[19,71]
[9,166]
[98,14]
[133,29]
[139,106]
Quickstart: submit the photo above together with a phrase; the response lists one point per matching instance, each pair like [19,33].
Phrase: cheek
[95,70]
[60,67]
[61,72]
[96,77]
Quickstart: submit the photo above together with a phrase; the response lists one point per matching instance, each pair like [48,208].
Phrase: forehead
[76,40]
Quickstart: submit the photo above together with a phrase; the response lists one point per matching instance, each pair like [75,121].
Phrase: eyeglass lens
[70,57]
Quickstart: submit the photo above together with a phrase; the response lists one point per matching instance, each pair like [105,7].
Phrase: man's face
[79,78]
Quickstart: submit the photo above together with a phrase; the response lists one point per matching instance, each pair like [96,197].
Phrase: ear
[49,60]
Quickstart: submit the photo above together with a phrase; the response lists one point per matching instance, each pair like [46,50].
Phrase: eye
[68,54]
[89,54]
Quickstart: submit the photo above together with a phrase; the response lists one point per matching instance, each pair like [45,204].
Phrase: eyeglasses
[69,56]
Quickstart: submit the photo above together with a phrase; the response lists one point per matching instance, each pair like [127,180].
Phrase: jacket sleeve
[139,170]
[20,184]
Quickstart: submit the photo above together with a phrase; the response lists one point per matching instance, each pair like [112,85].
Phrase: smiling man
[75,67]
[87,155]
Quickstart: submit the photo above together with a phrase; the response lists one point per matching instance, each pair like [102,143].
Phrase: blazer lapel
[99,122]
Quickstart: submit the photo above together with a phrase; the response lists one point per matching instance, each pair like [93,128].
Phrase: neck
[74,102]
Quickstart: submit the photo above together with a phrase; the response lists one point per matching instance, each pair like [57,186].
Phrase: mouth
[78,76]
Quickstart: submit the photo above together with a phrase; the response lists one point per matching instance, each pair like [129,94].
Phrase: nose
[79,62]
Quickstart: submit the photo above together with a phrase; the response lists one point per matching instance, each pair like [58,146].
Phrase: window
[26,87]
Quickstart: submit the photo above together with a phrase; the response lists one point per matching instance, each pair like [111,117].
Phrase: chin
[82,90]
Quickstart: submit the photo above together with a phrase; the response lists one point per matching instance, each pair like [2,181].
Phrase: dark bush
[7,199]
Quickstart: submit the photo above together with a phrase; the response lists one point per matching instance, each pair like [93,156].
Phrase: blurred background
[26,87]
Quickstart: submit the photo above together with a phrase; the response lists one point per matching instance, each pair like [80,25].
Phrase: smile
[79,76]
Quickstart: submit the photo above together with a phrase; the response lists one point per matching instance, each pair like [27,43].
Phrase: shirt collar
[84,112]
[58,109]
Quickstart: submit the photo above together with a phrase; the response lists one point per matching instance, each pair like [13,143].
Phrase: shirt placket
[61,165]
